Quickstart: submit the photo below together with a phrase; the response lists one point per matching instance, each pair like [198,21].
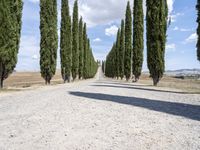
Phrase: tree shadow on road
[173,108]
[126,84]
[139,88]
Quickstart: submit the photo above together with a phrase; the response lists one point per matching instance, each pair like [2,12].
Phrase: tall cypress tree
[198,29]
[157,13]
[110,70]
[75,42]
[138,41]
[122,50]
[10,29]
[85,45]
[88,58]
[128,42]
[117,53]
[65,42]
[90,63]
[103,66]
[81,48]
[49,39]
[113,58]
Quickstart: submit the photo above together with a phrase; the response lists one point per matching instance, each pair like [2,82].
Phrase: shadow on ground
[123,83]
[177,109]
[136,87]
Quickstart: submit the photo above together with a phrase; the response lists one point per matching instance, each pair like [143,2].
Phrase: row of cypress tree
[126,56]
[77,60]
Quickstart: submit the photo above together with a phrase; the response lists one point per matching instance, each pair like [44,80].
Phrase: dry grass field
[185,85]
[21,80]
[29,79]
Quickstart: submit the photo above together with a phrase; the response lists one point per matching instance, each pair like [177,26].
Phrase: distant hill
[183,72]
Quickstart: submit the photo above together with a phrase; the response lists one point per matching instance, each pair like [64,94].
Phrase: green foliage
[71,36]
[117,53]
[128,42]
[138,41]
[88,58]
[75,42]
[10,29]
[110,70]
[157,13]
[198,29]
[49,39]
[81,48]
[103,66]
[122,50]
[90,66]
[85,47]
[65,41]
[115,60]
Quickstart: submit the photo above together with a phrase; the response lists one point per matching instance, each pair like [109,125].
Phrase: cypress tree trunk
[75,42]
[138,42]
[121,51]
[80,48]
[1,83]
[198,29]
[155,81]
[128,42]
[157,13]
[49,39]
[65,42]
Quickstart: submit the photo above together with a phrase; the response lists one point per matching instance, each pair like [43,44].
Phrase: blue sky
[103,18]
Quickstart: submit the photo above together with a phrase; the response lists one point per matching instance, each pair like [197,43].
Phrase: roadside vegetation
[77,59]
[125,59]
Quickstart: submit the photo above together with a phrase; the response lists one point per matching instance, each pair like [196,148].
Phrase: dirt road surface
[99,114]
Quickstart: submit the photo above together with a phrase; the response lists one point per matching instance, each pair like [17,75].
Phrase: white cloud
[176,28]
[35,57]
[175,16]
[102,12]
[185,30]
[182,29]
[192,38]
[171,47]
[111,31]
[34,1]
[97,40]
[170,5]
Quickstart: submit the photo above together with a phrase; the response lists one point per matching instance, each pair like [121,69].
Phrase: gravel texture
[99,114]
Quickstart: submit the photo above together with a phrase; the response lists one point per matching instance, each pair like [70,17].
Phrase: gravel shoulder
[99,114]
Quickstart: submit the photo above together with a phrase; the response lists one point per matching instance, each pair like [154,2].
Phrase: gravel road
[99,114]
